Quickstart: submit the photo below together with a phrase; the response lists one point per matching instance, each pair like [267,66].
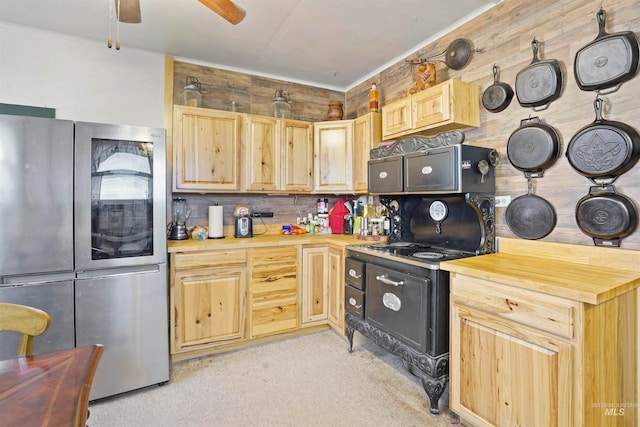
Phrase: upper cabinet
[333,156]
[450,105]
[206,150]
[278,155]
[367,134]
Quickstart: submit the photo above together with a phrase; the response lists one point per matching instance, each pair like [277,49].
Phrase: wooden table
[50,389]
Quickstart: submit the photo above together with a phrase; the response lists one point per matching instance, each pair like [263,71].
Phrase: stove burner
[428,255]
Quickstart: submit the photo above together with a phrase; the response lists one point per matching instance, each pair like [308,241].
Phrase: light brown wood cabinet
[206,150]
[208,293]
[449,105]
[278,155]
[367,134]
[333,156]
[552,346]
[322,287]
[274,290]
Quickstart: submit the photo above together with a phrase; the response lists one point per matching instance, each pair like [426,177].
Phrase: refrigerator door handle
[33,279]
[92,274]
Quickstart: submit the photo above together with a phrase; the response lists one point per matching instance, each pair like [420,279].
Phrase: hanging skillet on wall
[498,96]
[604,149]
[540,83]
[606,216]
[608,61]
[530,216]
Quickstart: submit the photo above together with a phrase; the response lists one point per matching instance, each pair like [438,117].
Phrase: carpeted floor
[310,380]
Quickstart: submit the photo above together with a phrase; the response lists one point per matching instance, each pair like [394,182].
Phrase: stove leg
[350,332]
[434,389]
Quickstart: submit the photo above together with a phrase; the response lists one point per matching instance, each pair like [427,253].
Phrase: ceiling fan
[129,10]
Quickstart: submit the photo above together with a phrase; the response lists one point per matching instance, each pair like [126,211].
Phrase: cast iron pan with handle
[604,149]
[540,83]
[530,216]
[498,96]
[533,147]
[608,61]
[606,216]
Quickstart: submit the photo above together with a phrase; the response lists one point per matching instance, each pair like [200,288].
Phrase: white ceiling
[328,43]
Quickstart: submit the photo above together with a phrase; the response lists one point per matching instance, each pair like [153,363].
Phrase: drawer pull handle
[354,274]
[383,279]
[354,303]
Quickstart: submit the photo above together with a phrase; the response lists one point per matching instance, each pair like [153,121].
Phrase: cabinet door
[212,306]
[335,301]
[315,273]
[297,156]
[261,154]
[333,156]
[274,290]
[367,134]
[396,118]
[498,368]
[206,150]
[431,106]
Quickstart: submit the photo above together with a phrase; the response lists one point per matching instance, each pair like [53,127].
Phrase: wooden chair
[28,321]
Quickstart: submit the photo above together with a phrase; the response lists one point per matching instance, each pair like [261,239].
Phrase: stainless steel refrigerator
[83,207]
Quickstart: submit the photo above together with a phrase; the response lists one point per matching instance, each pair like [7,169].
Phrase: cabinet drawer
[208,259]
[354,273]
[548,313]
[267,258]
[354,301]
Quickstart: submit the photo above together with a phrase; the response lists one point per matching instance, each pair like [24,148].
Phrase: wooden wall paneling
[504,34]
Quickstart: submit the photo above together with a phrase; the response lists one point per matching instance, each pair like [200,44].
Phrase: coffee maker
[243,222]
[180,214]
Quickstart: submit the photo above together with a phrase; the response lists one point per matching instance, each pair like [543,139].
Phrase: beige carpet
[310,380]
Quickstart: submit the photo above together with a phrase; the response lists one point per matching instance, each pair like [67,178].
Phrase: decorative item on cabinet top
[412,144]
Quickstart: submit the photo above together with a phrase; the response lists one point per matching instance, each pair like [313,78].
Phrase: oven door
[398,303]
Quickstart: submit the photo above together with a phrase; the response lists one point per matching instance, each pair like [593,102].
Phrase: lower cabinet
[208,294]
[274,290]
[520,357]
[322,287]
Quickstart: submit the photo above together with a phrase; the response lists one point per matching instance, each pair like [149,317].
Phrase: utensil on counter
[608,61]
[540,82]
[498,96]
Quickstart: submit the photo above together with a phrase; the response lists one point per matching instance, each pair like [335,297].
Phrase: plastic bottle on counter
[373,98]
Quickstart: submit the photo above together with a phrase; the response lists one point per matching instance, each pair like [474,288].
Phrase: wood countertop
[587,274]
[263,240]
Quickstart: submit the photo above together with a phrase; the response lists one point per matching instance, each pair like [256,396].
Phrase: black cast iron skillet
[605,149]
[533,147]
[608,61]
[540,83]
[498,96]
[606,216]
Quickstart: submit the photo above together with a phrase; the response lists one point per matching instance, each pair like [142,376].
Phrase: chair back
[27,321]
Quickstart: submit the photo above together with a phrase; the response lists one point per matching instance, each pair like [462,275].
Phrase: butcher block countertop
[269,239]
[588,274]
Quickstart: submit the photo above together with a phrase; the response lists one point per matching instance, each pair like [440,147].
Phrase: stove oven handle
[383,279]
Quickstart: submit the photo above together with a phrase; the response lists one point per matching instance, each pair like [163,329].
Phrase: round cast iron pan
[540,83]
[530,217]
[608,61]
[606,216]
[498,96]
[604,150]
[533,147]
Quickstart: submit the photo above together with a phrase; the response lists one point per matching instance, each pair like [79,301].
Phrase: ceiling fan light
[226,9]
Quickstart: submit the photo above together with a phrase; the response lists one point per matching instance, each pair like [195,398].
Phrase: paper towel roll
[215,222]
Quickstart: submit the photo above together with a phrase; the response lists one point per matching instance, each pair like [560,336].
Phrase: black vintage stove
[397,295]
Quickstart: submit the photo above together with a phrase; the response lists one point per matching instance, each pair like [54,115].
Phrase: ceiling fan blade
[129,11]
[226,9]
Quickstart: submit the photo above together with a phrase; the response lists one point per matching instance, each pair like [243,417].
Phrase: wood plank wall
[503,35]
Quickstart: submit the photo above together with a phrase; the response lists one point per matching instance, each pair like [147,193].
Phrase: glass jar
[280,108]
[192,94]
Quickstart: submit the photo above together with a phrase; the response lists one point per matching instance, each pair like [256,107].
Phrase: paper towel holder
[219,220]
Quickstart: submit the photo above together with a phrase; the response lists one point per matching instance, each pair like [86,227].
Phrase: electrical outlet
[502,201]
